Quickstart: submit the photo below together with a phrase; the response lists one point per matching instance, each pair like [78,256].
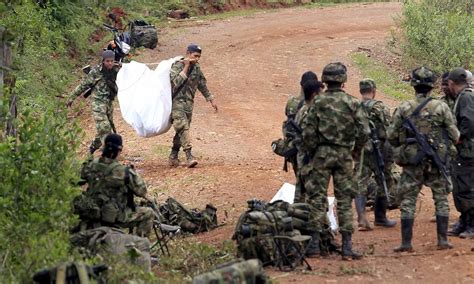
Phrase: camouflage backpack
[109,242]
[70,273]
[143,34]
[235,272]
[190,220]
[258,229]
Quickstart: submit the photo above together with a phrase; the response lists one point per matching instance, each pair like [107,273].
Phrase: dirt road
[253,64]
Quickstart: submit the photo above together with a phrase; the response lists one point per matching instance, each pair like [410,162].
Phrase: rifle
[379,162]
[130,201]
[427,149]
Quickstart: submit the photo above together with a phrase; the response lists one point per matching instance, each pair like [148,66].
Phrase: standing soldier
[463,167]
[334,129]
[186,77]
[371,160]
[423,128]
[111,187]
[101,82]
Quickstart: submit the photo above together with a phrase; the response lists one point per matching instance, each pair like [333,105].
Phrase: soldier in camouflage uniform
[448,97]
[379,120]
[186,77]
[435,121]
[112,185]
[334,129]
[463,166]
[101,82]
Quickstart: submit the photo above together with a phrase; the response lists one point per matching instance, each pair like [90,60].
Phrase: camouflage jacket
[378,115]
[109,183]
[464,112]
[195,81]
[304,155]
[449,101]
[435,120]
[102,89]
[335,119]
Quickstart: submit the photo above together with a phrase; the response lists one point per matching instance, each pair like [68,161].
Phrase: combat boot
[173,159]
[380,212]
[469,231]
[442,230]
[313,249]
[458,227]
[347,252]
[363,223]
[407,233]
[190,160]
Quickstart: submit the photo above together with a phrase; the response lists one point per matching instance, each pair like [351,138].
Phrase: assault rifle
[379,162]
[427,149]
[293,131]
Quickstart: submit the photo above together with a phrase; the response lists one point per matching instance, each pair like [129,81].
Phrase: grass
[388,81]
[351,270]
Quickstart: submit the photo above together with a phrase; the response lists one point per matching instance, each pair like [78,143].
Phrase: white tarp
[287,193]
[145,96]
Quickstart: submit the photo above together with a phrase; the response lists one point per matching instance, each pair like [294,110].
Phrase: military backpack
[234,272]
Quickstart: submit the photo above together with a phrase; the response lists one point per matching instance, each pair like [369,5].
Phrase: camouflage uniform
[104,90]
[334,125]
[303,158]
[436,121]
[291,109]
[183,102]
[109,183]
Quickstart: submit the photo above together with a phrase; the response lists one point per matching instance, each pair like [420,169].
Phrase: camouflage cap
[423,76]
[458,75]
[367,84]
[334,72]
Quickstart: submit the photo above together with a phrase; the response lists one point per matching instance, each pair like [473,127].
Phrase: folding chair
[164,233]
[291,251]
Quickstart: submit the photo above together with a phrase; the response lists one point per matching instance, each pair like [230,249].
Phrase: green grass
[351,270]
[388,81]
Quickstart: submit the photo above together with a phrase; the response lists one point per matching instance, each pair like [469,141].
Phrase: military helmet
[334,72]
[423,76]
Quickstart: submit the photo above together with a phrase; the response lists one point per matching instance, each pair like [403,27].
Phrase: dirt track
[252,65]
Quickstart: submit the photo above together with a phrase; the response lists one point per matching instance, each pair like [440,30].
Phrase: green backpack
[190,220]
[235,272]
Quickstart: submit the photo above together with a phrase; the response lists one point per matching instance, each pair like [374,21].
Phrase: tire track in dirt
[253,64]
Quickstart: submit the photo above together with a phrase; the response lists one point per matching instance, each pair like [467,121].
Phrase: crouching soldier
[108,200]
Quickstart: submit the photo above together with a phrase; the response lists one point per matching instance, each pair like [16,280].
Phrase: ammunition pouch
[86,207]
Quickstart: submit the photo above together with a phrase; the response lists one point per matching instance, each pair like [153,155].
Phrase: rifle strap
[418,109]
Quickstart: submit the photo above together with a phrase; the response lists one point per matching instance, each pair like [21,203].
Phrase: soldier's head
[194,51]
[311,88]
[367,88]
[334,74]
[112,146]
[457,80]
[108,59]
[423,80]
[444,84]
[308,75]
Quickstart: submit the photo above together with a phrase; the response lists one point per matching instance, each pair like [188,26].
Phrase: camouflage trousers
[181,116]
[365,172]
[142,219]
[411,182]
[335,161]
[102,112]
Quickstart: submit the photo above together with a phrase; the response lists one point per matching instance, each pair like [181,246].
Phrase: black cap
[114,141]
[458,75]
[309,75]
[194,48]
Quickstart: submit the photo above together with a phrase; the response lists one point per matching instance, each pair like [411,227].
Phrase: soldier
[379,120]
[101,82]
[311,89]
[186,77]
[432,120]
[334,129]
[112,186]
[448,97]
[463,166]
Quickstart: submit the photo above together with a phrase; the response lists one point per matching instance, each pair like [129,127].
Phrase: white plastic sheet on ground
[287,193]
[145,96]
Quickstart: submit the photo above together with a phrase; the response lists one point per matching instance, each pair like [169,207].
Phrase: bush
[437,33]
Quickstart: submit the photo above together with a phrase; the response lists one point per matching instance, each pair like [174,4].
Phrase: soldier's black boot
[442,230]
[458,227]
[347,252]
[190,160]
[173,158]
[363,223]
[380,212]
[469,231]
[313,249]
[407,233]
